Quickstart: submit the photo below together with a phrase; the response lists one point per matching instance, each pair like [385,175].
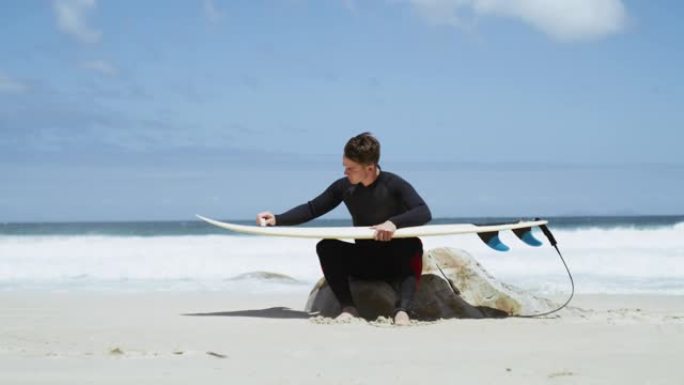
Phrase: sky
[159,110]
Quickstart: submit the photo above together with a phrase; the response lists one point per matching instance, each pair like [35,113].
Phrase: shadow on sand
[272,312]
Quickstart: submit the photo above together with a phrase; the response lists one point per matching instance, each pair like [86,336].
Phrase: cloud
[71,19]
[211,12]
[100,66]
[563,20]
[11,86]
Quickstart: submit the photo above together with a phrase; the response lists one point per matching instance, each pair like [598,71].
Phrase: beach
[180,302]
[105,337]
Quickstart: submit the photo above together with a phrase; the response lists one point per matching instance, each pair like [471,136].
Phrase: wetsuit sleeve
[328,200]
[417,212]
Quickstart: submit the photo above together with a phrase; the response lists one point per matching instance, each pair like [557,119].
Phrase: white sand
[105,338]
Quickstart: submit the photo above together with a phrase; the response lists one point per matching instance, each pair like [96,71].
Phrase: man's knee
[324,247]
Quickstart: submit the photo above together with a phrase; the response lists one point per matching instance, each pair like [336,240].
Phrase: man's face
[355,172]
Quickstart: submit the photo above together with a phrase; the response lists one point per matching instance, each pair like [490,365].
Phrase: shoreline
[103,338]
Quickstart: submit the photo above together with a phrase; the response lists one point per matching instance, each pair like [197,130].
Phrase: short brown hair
[363,148]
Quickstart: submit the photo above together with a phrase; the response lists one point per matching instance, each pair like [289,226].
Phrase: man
[374,198]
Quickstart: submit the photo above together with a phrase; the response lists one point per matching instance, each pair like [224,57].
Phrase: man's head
[361,157]
[363,149]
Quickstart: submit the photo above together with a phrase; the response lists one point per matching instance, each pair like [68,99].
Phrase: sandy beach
[180,338]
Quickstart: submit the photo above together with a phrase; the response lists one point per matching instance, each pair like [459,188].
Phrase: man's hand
[266,218]
[384,231]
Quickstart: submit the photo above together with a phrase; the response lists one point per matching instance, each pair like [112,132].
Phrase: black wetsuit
[389,197]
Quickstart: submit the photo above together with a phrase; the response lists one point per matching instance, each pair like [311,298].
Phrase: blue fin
[492,240]
[526,236]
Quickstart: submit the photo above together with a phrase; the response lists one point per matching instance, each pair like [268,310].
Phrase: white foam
[623,260]
[208,257]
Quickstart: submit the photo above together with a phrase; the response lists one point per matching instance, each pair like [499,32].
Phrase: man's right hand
[266,218]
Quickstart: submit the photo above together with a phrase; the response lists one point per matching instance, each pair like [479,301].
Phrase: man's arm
[322,204]
[417,212]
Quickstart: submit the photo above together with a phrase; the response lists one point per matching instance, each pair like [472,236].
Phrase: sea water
[620,255]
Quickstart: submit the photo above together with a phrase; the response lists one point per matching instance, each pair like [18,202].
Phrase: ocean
[609,255]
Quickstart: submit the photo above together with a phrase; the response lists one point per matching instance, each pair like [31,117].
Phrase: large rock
[471,293]
[478,287]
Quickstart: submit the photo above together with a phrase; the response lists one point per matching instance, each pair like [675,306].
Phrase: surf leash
[554,243]
[552,240]
[451,284]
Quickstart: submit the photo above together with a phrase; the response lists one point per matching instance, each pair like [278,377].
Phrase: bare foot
[348,313]
[402,318]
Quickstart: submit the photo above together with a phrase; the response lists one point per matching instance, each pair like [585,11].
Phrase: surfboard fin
[492,240]
[526,236]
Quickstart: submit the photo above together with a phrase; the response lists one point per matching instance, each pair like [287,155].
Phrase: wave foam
[623,260]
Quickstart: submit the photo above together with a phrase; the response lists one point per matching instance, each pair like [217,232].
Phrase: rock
[479,294]
[265,276]
[372,299]
[478,287]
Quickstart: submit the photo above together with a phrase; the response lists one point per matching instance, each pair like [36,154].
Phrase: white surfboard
[359,232]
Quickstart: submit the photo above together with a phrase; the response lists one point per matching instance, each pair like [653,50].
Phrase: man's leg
[335,257]
[410,271]
[409,255]
[399,260]
[407,291]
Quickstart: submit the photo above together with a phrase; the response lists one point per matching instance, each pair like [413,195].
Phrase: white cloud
[100,66]
[12,86]
[71,19]
[565,20]
[211,12]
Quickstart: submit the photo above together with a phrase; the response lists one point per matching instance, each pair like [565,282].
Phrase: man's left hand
[384,231]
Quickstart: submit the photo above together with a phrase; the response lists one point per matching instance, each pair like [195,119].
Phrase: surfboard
[360,232]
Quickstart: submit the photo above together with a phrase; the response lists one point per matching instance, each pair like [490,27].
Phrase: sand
[206,338]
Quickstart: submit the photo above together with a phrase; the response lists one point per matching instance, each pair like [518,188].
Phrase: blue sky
[130,110]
